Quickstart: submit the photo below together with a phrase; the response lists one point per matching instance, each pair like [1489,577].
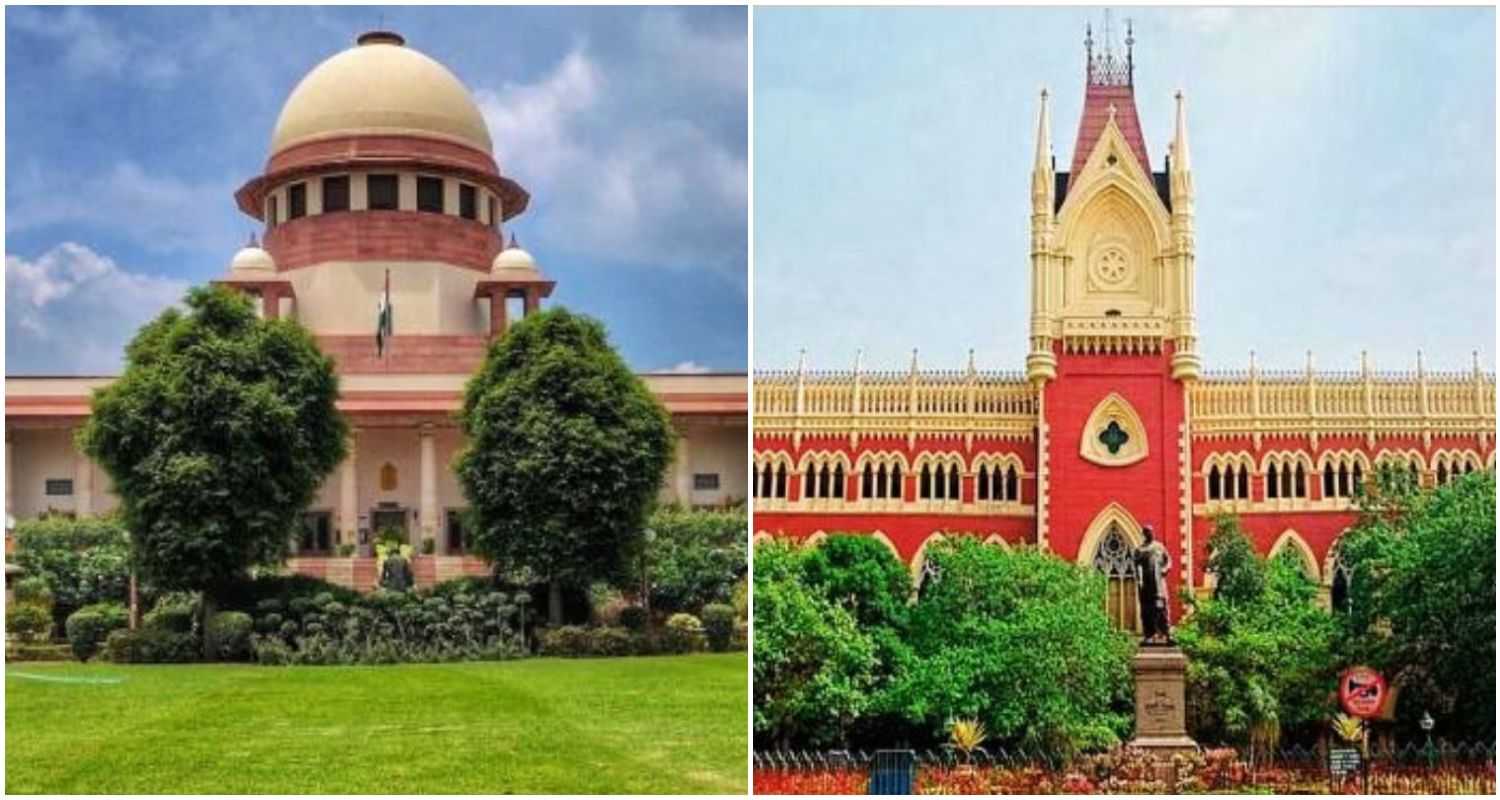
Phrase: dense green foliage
[814,668]
[88,627]
[694,559]
[673,724]
[81,561]
[1422,599]
[718,626]
[683,633]
[227,636]
[151,645]
[216,436]
[1260,650]
[1016,640]
[1020,641]
[29,623]
[387,628]
[564,452]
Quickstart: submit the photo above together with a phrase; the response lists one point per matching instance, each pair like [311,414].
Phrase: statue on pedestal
[1151,565]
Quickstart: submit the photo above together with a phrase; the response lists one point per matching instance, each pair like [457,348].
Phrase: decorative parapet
[1363,402]
[968,403]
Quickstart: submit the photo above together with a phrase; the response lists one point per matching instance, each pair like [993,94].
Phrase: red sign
[1361,691]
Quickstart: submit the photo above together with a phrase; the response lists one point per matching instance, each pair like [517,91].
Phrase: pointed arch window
[1273,486]
[867,482]
[1113,559]
[982,491]
[1012,485]
[953,490]
[1214,488]
[926,482]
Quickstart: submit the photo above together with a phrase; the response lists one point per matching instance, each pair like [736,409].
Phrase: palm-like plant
[966,735]
[1347,728]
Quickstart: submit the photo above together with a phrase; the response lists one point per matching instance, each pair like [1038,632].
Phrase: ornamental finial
[914,361]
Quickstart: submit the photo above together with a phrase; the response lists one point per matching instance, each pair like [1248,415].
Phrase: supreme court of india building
[1114,424]
[381,168]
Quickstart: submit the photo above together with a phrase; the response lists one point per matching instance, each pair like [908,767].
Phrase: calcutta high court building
[1114,424]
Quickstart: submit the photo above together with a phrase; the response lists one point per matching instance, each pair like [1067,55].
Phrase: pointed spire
[1421,367]
[514,243]
[1181,160]
[859,360]
[802,361]
[1364,363]
[914,361]
[1252,361]
[252,242]
[1043,137]
[1476,361]
[971,361]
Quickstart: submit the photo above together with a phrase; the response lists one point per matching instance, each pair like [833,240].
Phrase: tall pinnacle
[1043,137]
[1180,159]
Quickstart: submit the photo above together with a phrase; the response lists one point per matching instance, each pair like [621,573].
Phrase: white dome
[513,261]
[380,86]
[252,259]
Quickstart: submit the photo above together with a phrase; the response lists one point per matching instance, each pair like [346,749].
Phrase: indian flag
[383,328]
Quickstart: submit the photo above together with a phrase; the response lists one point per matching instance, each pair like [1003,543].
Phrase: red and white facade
[1113,425]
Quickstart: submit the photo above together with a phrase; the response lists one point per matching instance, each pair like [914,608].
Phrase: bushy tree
[814,667]
[81,561]
[861,574]
[695,558]
[1020,641]
[564,452]
[1260,651]
[216,437]
[1422,598]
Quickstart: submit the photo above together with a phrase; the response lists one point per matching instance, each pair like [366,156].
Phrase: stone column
[349,493]
[83,483]
[684,470]
[497,314]
[428,521]
[270,302]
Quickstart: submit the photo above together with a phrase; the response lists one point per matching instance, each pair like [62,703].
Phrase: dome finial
[514,243]
[379,36]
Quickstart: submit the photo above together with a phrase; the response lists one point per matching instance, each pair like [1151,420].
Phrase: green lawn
[665,724]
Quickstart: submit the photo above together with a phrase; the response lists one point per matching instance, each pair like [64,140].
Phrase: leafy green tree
[216,436]
[861,574]
[1020,641]
[814,666]
[1260,651]
[82,561]
[1422,600]
[564,453]
[695,558]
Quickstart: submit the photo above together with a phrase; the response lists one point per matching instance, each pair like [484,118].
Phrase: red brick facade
[382,236]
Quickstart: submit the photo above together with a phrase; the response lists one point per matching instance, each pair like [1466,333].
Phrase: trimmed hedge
[151,646]
[683,634]
[29,622]
[39,652]
[89,626]
[718,626]
[227,636]
[633,618]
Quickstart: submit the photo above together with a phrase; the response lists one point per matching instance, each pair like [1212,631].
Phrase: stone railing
[1360,402]
[913,403]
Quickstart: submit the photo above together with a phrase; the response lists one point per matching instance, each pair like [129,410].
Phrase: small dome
[380,86]
[513,259]
[252,258]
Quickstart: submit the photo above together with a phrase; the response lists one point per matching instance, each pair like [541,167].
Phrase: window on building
[1113,559]
[383,192]
[1243,487]
[336,194]
[924,484]
[1214,487]
[454,524]
[1012,485]
[429,194]
[706,482]
[953,490]
[271,219]
[317,533]
[1273,487]
[780,481]
[982,490]
[468,201]
[296,201]
[58,487]
[1299,486]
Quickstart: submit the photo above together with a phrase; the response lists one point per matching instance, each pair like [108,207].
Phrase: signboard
[1342,761]
[1361,692]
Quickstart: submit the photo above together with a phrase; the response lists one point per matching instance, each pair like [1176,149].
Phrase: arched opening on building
[1114,558]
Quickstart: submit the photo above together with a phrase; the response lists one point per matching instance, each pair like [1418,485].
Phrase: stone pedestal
[1160,701]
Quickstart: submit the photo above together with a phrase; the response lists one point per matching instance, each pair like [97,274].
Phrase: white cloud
[71,310]
[616,170]
[687,368]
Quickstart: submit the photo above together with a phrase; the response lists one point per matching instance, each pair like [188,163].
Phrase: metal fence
[1406,769]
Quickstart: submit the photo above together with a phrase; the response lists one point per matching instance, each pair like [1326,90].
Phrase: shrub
[741,638]
[696,557]
[88,626]
[569,641]
[611,641]
[718,626]
[39,652]
[465,585]
[270,651]
[605,604]
[28,622]
[34,591]
[152,646]
[684,634]
[740,599]
[174,612]
[227,636]
[633,618]
[82,561]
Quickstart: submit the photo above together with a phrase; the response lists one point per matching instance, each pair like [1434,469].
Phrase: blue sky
[1344,161]
[128,129]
